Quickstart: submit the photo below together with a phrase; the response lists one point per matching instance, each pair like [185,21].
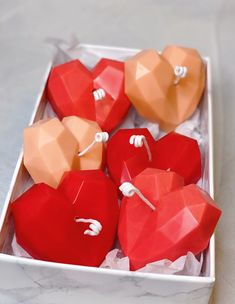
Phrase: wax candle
[173,152]
[90,141]
[124,159]
[178,153]
[49,151]
[96,94]
[167,219]
[165,88]
[74,224]
[52,147]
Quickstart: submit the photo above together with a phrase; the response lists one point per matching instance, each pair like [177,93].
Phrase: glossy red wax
[125,161]
[173,152]
[180,154]
[45,223]
[93,196]
[184,220]
[70,91]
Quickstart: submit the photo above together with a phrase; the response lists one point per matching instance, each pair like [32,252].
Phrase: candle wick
[95,226]
[99,94]
[100,137]
[180,72]
[129,190]
[138,141]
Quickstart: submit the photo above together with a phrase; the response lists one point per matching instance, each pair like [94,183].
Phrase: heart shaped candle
[180,221]
[49,150]
[75,224]
[173,152]
[44,225]
[85,132]
[165,88]
[96,95]
[93,197]
[69,90]
[124,159]
[180,154]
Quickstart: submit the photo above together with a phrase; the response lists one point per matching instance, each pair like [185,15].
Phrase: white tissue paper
[185,265]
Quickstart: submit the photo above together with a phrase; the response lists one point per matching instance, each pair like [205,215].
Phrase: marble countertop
[205,24]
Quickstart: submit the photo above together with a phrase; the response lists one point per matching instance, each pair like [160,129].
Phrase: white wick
[99,94]
[180,72]
[138,141]
[129,190]
[99,138]
[95,226]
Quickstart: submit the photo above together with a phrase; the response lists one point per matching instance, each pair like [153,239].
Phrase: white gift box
[34,281]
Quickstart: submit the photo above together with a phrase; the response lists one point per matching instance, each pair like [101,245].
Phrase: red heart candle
[93,196]
[45,227]
[180,154]
[180,221]
[96,95]
[124,159]
[69,90]
[174,152]
[75,224]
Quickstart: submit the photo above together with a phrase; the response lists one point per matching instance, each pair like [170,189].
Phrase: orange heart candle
[87,134]
[49,151]
[165,88]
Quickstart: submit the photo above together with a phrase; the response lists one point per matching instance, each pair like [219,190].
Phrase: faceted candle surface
[178,153]
[96,94]
[93,196]
[49,151]
[150,84]
[84,131]
[52,225]
[184,219]
[125,160]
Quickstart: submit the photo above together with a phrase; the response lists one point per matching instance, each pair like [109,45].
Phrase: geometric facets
[184,220]
[150,84]
[113,106]
[69,90]
[124,160]
[180,154]
[49,151]
[96,94]
[44,225]
[93,196]
[84,131]
[47,222]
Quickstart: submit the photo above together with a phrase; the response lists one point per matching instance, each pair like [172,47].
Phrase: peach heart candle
[164,217]
[91,143]
[49,150]
[165,88]
[96,95]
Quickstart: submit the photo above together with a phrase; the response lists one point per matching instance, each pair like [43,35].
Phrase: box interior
[89,55]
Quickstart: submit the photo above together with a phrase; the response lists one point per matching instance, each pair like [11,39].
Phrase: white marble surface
[207,25]
[44,285]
